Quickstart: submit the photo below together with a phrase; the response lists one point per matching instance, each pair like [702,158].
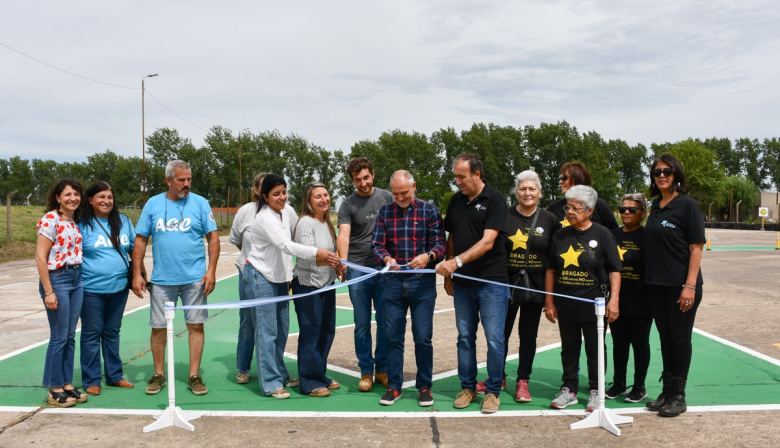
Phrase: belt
[69,266]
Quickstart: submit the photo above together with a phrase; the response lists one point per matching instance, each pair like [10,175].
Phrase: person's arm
[209,280]
[688,293]
[379,243]
[613,306]
[473,253]
[550,311]
[238,227]
[342,247]
[42,249]
[139,251]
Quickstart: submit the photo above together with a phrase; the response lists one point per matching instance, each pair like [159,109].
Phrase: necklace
[175,223]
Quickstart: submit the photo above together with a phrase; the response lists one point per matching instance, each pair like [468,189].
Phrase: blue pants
[317,323]
[60,354]
[488,302]
[403,292]
[362,294]
[246,331]
[101,319]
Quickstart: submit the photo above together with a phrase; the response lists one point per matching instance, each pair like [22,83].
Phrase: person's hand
[327,258]
[550,311]
[139,285]
[613,310]
[449,288]
[341,272]
[419,262]
[446,268]
[209,281]
[390,261]
[50,301]
[687,299]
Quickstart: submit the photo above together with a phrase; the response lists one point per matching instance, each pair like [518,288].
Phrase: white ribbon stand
[172,415]
[602,417]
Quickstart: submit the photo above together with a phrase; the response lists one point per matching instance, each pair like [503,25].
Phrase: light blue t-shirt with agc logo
[177,229]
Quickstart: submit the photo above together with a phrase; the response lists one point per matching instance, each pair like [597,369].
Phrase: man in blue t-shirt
[178,220]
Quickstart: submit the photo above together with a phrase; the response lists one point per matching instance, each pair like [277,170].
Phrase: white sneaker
[593,401]
[564,398]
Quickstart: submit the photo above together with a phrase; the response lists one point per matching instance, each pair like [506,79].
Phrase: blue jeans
[246,330]
[489,303]
[361,294]
[317,323]
[401,293]
[101,319]
[67,285]
[272,325]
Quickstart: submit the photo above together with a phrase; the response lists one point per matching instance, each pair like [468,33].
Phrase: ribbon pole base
[603,418]
[172,416]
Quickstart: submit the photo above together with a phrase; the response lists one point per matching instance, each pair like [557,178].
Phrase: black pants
[572,334]
[631,332]
[674,327]
[527,329]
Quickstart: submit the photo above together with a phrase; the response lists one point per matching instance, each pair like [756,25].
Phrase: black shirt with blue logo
[668,233]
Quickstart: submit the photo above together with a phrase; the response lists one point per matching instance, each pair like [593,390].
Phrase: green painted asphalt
[720,375]
[741,248]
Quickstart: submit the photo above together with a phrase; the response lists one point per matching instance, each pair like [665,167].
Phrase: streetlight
[143,137]
[240,178]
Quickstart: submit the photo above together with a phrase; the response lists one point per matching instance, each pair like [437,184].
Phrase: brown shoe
[93,390]
[334,385]
[366,383]
[124,384]
[464,398]
[490,404]
[320,392]
[381,378]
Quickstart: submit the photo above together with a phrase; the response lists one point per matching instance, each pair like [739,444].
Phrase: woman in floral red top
[58,257]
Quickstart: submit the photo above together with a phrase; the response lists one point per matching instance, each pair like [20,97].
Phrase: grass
[24,236]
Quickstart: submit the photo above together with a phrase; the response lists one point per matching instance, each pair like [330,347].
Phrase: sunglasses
[666,172]
[631,210]
[563,177]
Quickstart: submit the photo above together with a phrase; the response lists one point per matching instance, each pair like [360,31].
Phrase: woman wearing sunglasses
[632,328]
[576,173]
[675,232]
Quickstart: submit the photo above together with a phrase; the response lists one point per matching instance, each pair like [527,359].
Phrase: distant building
[769,199]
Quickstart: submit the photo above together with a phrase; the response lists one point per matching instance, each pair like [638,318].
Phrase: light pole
[143,138]
[240,177]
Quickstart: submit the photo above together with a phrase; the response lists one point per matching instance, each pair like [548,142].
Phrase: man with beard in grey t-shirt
[357,216]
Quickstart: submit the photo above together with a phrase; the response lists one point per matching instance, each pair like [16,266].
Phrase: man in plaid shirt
[408,234]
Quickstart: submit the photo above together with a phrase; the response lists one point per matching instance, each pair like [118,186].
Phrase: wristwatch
[458,262]
[431,257]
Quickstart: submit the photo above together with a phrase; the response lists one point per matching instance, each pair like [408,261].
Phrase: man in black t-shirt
[476,222]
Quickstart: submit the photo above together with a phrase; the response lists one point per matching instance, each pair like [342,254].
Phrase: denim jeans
[317,323]
[272,325]
[527,329]
[362,294]
[60,354]
[101,319]
[489,303]
[246,330]
[401,293]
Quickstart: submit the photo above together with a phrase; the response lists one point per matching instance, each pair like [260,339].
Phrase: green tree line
[719,171]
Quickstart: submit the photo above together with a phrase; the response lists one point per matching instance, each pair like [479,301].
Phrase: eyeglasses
[631,210]
[563,178]
[566,208]
[175,224]
[666,172]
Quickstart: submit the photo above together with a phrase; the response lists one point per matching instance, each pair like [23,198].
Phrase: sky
[344,71]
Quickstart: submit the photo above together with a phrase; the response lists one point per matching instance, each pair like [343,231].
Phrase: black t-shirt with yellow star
[602,213]
[579,274]
[538,244]
[633,292]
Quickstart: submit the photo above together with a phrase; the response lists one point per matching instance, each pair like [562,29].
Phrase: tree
[734,189]
[772,161]
[751,154]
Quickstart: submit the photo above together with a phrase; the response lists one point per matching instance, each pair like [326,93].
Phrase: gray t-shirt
[317,234]
[359,213]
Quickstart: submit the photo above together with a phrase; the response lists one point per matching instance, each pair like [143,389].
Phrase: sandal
[60,399]
[75,393]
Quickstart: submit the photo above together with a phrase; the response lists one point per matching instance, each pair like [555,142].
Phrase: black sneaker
[426,398]
[636,395]
[616,390]
[389,397]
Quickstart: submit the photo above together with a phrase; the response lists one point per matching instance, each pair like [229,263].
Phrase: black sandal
[75,393]
[60,399]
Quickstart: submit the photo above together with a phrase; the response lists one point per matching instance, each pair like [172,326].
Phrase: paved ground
[740,304]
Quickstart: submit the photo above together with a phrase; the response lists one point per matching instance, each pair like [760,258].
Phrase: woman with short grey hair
[584,262]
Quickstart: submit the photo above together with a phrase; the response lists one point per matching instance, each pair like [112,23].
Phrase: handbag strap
[119,251]
[530,234]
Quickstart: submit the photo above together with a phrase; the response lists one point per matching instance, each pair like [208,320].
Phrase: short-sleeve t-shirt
[537,243]
[633,292]
[466,222]
[104,270]
[668,233]
[579,274]
[602,213]
[65,238]
[359,212]
[177,229]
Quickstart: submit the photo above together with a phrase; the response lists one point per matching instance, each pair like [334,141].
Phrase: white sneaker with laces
[564,398]
[593,401]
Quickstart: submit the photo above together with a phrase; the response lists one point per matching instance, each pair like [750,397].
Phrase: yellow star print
[564,222]
[621,251]
[571,257]
[518,240]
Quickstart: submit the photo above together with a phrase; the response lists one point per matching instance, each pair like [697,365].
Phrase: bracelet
[685,285]
[47,295]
